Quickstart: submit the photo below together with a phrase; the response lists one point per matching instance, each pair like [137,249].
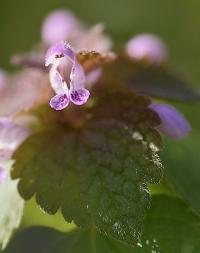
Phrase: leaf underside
[152,80]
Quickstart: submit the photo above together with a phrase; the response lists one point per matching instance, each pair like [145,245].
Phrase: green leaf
[170,227]
[11,209]
[182,167]
[97,175]
[49,240]
[158,81]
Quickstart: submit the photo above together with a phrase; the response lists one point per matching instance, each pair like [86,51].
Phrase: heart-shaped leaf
[98,172]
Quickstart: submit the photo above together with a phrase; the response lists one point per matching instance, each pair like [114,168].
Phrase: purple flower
[173,123]
[147,46]
[3,174]
[59,25]
[57,55]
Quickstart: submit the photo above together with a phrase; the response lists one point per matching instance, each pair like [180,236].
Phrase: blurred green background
[176,21]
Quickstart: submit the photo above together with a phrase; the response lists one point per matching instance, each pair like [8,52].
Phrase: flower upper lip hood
[58,51]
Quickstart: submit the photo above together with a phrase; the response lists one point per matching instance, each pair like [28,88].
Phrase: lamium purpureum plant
[81,130]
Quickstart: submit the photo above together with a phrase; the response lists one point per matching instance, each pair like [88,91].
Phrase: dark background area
[176,21]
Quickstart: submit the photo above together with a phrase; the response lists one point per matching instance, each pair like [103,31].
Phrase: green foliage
[11,209]
[170,227]
[97,173]
[182,168]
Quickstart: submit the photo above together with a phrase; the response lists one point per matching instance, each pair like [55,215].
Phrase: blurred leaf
[170,227]
[158,81]
[97,173]
[182,162]
[11,209]
[41,239]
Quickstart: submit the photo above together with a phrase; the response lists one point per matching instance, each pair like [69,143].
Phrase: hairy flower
[173,123]
[57,55]
[147,46]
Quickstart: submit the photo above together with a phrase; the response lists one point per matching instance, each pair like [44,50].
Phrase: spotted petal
[80,96]
[59,101]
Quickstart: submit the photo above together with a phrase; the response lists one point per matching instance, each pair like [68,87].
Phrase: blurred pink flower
[22,90]
[11,136]
[60,25]
[147,46]
[94,39]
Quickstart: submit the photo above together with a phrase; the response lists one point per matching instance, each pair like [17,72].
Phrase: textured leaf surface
[155,81]
[170,227]
[182,162]
[96,173]
[11,209]
[98,176]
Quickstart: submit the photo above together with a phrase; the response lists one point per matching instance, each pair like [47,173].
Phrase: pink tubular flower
[147,46]
[173,123]
[11,136]
[76,93]
[59,25]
